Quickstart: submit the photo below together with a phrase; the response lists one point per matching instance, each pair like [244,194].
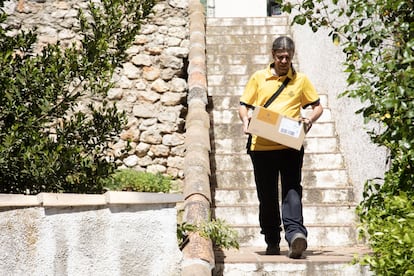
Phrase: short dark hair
[283,43]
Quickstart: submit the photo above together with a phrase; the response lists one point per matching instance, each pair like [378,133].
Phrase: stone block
[66,199]
[14,200]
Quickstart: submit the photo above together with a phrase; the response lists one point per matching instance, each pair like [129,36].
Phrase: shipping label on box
[277,128]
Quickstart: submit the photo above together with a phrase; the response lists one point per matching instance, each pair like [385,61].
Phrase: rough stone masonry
[151,86]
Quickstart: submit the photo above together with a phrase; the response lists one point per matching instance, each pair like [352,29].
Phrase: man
[269,158]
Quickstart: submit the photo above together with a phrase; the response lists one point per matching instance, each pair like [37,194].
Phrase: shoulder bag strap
[278,91]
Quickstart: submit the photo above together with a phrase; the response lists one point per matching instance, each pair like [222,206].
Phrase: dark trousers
[268,165]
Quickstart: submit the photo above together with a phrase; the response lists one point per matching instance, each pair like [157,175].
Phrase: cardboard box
[277,128]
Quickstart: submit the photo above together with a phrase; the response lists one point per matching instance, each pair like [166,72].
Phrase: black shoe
[298,245]
[273,249]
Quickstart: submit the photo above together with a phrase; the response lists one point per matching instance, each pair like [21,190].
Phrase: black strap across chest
[278,91]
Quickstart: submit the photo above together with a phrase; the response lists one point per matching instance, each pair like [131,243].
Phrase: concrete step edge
[343,254]
[253,189]
[337,152]
[242,138]
[308,225]
[305,205]
[303,169]
[319,234]
[324,195]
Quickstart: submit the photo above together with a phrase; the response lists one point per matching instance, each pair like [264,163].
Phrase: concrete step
[247,21]
[320,144]
[231,69]
[247,214]
[257,61]
[227,38]
[324,261]
[230,145]
[226,67]
[251,48]
[232,80]
[314,161]
[275,30]
[319,235]
[339,195]
[225,91]
[237,59]
[244,179]
[322,129]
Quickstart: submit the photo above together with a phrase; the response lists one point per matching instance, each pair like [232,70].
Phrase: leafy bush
[46,144]
[222,235]
[132,180]
[389,226]
[378,40]
[217,230]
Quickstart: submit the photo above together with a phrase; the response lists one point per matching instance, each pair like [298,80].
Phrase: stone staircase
[236,47]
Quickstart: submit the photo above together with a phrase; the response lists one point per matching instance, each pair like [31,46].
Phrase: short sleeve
[249,95]
[309,93]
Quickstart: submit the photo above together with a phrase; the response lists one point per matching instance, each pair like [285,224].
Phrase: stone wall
[151,86]
[117,233]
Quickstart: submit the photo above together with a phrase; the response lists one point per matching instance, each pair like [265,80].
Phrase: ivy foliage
[377,38]
[53,138]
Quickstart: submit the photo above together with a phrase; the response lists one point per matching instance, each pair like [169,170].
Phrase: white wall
[115,234]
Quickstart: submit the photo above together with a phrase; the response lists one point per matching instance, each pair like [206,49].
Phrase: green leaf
[299,19]
[336,39]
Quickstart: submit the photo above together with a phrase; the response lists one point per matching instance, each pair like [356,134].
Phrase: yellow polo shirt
[299,93]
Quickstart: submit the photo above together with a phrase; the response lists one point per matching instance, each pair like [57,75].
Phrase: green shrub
[132,180]
[45,144]
[217,230]
[222,235]
[388,223]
